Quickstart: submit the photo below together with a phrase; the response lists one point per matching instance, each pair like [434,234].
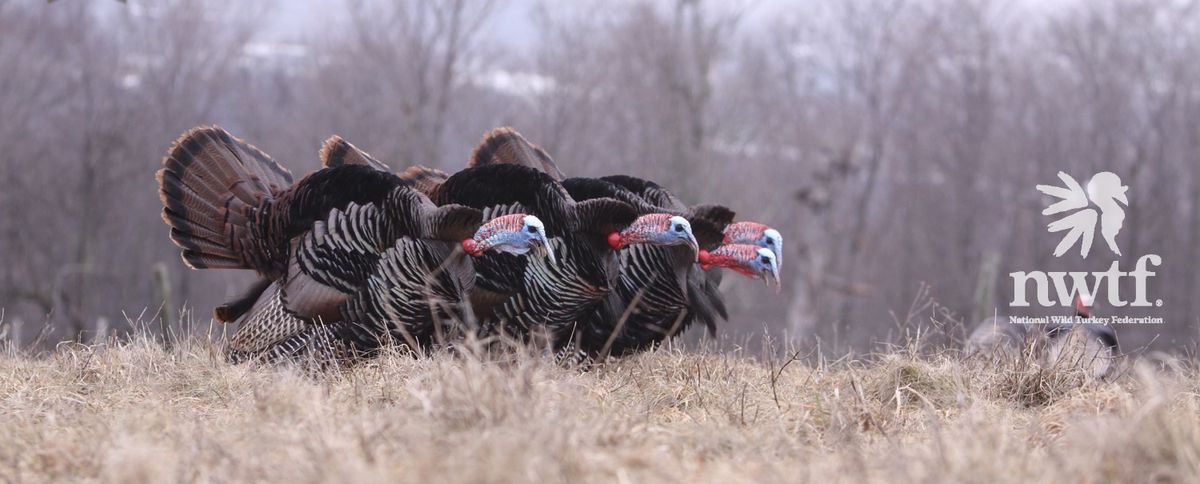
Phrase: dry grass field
[134,412]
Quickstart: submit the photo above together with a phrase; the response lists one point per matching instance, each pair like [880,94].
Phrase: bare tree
[393,78]
[895,143]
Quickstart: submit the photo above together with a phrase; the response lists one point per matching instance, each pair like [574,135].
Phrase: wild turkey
[662,292]
[1084,343]
[413,292]
[230,206]
[651,299]
[642,324]
[346,253]
[1000,337]
[749,260]
[705,302]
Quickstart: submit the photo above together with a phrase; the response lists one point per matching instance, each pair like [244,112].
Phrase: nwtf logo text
[1084,212]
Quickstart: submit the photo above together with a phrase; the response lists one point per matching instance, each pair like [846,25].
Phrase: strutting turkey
[661,292]
[649,302]
[348,257]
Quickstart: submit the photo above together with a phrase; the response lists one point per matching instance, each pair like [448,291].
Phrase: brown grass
[134,412]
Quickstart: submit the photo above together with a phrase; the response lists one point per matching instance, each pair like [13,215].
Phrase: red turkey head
[655,229]
[516,233]
[749,260]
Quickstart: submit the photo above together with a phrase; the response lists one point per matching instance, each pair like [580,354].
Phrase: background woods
[894,143]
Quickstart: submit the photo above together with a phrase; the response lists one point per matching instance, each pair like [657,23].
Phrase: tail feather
[195,228]
[507,146]
[265,172]
[199,198]
[206,246]
[219,164]
[424,179]
[209,185]
[337,152]
[200,260]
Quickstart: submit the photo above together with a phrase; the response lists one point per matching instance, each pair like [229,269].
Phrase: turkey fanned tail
[210,184]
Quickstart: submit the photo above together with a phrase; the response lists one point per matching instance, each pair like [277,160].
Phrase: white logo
[1104,190]
[1101,204]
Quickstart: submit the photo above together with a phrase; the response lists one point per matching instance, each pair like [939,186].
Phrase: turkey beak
[691,242]
[682,231]
[769,277]
[771,273]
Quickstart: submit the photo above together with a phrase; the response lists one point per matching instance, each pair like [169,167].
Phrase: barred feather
[553,297]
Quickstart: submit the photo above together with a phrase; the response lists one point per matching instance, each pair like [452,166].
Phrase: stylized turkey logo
[1104,191]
